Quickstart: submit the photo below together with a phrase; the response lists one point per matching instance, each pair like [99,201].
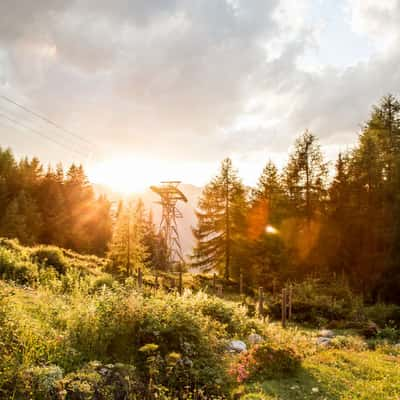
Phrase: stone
[370,330]
[254,338]
[237,346]
[326,333]
[323,341]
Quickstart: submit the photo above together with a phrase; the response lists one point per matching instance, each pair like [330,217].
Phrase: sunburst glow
[135,174]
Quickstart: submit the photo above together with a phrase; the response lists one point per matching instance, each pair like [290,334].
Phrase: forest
[309,219]
[292,290]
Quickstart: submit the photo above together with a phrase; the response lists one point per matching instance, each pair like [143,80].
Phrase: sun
[126,175]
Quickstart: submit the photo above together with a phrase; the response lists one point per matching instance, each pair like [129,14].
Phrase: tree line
[61,208]
[294,223]
[297,222]
[52,207]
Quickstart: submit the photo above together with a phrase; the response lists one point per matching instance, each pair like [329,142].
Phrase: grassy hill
[70,331]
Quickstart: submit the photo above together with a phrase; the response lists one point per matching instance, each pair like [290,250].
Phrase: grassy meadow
[69,330]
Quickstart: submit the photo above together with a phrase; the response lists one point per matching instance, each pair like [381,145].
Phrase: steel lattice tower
[169,196]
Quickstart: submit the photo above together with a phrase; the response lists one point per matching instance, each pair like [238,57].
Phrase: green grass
[62,315]
[337,374]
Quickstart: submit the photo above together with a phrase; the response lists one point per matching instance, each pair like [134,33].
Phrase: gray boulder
[323,341]
[237,346]
[326,333]
[254,338]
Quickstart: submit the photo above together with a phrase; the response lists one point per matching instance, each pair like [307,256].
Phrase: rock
[326,333]
[323,341]
[370,330]
[254,338]
[237,346]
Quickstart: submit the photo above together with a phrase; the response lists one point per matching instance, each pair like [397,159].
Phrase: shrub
[389,333]
[316,303]
[266,361]
[101,281]
[113,327]
[50,256]
[12,267]
[384,314]
[354,343]
[42,381]
[101,382]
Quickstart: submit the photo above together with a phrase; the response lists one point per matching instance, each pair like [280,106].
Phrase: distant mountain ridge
[149,198]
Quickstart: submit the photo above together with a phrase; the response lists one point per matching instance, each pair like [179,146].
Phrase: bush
[390,333]
[113,327]
[316,303]
[42,381]
[101,382]
[354,343]
[265,361]
[50,256]
[384,314]
[12,267]
[103,281]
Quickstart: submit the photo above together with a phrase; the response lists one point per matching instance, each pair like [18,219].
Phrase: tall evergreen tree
[127,250]
[305,176]
[157,251]
[22,220]
[267,254]
[221,216]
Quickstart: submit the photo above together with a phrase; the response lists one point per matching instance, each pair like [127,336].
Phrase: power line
[37,132]
[48,120]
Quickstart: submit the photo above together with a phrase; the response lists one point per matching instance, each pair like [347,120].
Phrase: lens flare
[271,230]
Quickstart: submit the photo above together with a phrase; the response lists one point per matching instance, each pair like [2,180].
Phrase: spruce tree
[267,254]
[305,176]
[221,221]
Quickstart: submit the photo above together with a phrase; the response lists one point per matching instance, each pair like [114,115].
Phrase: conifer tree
[126,250]
[221,216]
[22,220]
[305,176]
[269,197]
[267,256]
[157,252]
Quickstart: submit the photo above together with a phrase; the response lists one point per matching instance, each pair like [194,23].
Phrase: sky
[165,89]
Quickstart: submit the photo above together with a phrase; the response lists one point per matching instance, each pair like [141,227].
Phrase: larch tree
[221,221]
[126,249]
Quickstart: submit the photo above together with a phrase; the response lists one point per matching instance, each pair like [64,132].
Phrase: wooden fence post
[284,296]
[241,284]
[156,280]
[214,284]
[139,278]
[220,290]
[290,302]
[261,301]
[180,284]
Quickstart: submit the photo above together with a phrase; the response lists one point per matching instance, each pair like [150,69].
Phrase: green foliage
[221,223]
[16,268]
[265,361]
[42,381]
[316,303]
[103,382]
[384,314]
[127,250]
[49,207]
[50,257]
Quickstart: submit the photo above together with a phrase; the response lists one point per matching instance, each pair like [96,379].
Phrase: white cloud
[195,80]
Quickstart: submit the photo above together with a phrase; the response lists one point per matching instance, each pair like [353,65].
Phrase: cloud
[191,80]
